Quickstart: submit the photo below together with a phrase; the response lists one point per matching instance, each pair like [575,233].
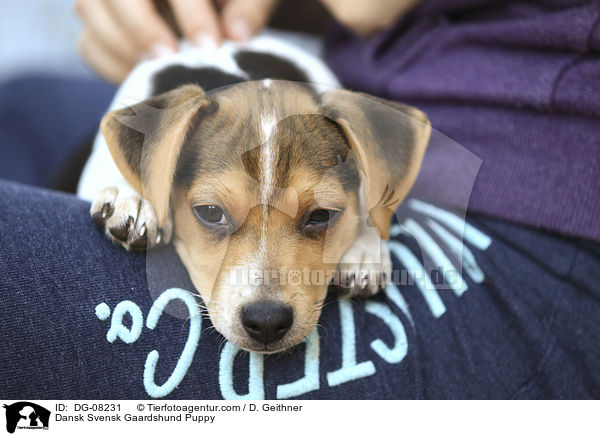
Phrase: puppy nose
[267,321]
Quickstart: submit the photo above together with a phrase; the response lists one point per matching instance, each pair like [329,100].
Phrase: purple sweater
[516,83]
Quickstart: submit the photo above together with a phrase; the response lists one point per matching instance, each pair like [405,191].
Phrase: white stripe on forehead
[268,160]
[268,157]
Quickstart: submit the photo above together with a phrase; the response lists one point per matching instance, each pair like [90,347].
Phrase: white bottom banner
[22,417]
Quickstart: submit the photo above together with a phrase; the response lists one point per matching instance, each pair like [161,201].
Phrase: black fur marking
[206,77]
[267,66]
[250,160]
[188,161]
[257,65]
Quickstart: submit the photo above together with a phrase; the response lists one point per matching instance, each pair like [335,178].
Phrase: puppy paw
[364,269]
[129,220]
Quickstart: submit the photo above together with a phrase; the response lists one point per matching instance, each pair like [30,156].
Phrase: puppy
[269,181]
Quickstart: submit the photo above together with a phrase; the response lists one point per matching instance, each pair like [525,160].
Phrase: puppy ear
[145,141]
[388,139]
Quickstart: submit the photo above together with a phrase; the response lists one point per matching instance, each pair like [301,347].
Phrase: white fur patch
[268,162]
[268,123]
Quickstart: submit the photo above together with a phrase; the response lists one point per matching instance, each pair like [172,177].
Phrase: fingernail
[241,30]
[160,50]
[205,41]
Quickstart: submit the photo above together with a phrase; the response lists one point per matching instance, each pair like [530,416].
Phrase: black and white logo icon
[26,415]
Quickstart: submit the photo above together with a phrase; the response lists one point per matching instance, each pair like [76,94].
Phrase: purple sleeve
[515,83]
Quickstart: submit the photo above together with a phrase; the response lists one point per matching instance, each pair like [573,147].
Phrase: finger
[144,26]
[105,29]
[242,19]
[100,59]
[197,20]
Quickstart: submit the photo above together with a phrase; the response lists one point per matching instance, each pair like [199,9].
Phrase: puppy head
[262,180]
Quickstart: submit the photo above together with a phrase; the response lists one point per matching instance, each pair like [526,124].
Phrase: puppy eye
[321,217]
[210,215]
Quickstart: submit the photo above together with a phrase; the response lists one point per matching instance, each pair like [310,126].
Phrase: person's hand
[119,33]
[368,17]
